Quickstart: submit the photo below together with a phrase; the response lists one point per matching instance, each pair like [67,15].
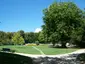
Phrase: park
[61,40]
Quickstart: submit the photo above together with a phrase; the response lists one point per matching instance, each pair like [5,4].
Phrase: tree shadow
[9,58]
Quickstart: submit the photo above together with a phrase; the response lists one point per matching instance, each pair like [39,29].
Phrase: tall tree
[17,39]
[21,33]
[41,37]
[9,37]
[3,38]
[29,37]
[62,20]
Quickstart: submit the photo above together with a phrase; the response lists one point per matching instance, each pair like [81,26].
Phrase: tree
[61,21]
[36,35]
[54,38]
[31,37]
[41,37]
[9,37]
[21,33]
[17,39]
[3,38]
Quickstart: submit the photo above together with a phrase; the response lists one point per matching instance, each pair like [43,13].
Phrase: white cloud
[37,30]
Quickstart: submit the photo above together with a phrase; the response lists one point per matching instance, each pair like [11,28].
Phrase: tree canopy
[17,39]
[63,21]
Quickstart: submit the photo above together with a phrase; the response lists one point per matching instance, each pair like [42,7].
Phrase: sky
[25,15]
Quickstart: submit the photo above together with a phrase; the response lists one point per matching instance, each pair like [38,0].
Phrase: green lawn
[43,48]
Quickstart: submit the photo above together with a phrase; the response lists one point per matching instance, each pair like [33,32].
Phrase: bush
[37,43]
[30,44]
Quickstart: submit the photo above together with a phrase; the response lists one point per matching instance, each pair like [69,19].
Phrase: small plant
[37,43]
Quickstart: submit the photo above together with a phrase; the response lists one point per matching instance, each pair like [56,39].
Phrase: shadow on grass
[9,58]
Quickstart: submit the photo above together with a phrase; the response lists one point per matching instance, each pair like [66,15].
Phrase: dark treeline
[20,37]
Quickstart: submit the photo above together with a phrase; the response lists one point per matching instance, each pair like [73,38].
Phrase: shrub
[30,44]
[37,43]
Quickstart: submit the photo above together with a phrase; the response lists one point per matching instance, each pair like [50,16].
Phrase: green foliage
[41,37]
[5,38]
[54,38]
[31,37]
[20,37]
[9,38]
[21,33]
[63,22]
[17,39]
[37,43]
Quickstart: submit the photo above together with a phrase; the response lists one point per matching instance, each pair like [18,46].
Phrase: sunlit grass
[43,48]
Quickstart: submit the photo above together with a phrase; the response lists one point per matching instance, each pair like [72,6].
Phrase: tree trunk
[63,45]
[53,43]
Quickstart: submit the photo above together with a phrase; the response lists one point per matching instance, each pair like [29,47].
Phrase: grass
[54,51]
[43,48]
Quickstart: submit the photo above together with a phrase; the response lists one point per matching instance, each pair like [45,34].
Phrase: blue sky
[25,14]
